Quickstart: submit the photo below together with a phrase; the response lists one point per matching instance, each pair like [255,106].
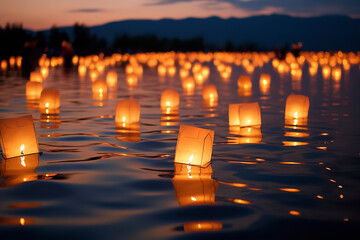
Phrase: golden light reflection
[203,226]
[128,134]
[193,185]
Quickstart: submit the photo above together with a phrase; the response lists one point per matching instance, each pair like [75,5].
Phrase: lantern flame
[23,163]
[167,103]
[249,121]
[191,158]
[47,105]
[296,115]
[193,199]
[22,221]
[22,149]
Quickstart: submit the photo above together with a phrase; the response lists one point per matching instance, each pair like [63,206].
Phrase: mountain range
[323,33]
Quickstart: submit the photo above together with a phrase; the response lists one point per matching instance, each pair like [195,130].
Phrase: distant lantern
[244,83]
[194,146]
[82,70]
[127,113]
[199,78]
[264,82]
[100,67]
[93,75]
[132,80]
[18,61]
[12,61]
[44,72]
[326,70]
[18,137]
[171,71]
[297,108]
[193,185]
[33,90]
[188,84]
[49,101]
[170,100]
[336,74]
[183,72]
[111,79]
[161,69]
[129,69]
[35,77]
[99,89]
[206,71]
[4,65]
[244,114]
[210,93]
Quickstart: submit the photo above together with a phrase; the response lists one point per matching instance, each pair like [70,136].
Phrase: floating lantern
[199,78]
[18,137]
[44,72]
[171,71]
[296,74]
[93,75]
[264,83]
[194,146]
[244,114]
[131,80]
[99,89]
[49,101]
[336,74]
[35,77]
[244,83]
[100,67]
[18,170]
[111,79]
[4,65]
[12,61]
[18,61]
[33,90]
[326,70]
[170,102]
[75,60]
[296,110]
[193,185]
[183,72]
[161,69]
[210,93]
[82,70]
[127,113]
[188,85]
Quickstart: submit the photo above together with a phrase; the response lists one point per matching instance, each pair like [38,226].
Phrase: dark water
[93,181]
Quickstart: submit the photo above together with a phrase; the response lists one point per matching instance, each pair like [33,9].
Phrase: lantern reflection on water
[99,90]
[296,109]
[194,146]
[18,137]
[193,185]
[49,101]
[130,134]
[127,114]
[170,102]
[18,170]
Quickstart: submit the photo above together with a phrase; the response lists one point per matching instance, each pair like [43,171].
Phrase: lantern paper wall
[33,90]
[297,108]
[194,146]
[127,113]
[170,102]
[49,101]
[99,89]
[244,114]
[35,77]
[193,185]
[18,170]
[18,137]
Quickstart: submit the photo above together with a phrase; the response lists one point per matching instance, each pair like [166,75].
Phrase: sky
[43,14]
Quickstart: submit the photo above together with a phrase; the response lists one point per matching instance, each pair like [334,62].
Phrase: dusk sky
[42,14]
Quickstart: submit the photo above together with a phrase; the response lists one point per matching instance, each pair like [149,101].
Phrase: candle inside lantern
[194,146]
[49,101]
[127,113]
[170,102]
[18,136]
[296,109]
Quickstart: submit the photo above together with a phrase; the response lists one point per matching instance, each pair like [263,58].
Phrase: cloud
[87,10]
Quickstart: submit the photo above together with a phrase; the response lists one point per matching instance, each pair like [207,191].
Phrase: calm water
[93,181]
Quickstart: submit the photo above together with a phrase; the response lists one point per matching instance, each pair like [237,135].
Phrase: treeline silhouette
[15,41]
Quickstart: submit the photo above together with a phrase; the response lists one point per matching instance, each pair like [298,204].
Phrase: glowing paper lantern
[49,101]
[127,113]
[82,70]
[194,146]
[131,80]
[161,69]
[264,82]
[297,108]
[18,170]
[336,74]
[326,70]
[93,75]
[111,79]
[193,185]
[35,77]
[244,114]
[171,71]
[18,137]
[170,102]
[244,83]
[99,89]
[12,61]
[44,72]
[4,65]
[188,85]
[210,93]
[33,90]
